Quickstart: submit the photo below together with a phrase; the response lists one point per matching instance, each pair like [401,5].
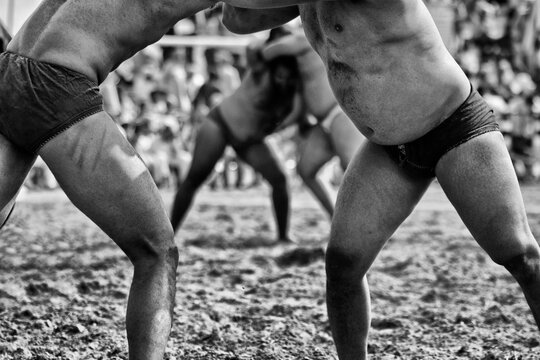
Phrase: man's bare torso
[255,107]
[387,65]
[95,36]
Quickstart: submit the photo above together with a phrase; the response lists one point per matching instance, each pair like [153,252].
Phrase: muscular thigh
[479,179]
[210,144]
[105,178]
[315,150]
[346,138]
[376,196]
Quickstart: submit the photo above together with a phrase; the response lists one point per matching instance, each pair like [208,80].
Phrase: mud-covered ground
[435,294]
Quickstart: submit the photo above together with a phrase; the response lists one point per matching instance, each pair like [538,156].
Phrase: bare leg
[209,147]
[479,179]
[103,176]
[346,139]
[226,171]
[315,151]
[14,166]
[261,158]
[374,199]
[239,173]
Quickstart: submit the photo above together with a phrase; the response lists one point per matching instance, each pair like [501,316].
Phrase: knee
[525,267]
[344,264]
[154,248]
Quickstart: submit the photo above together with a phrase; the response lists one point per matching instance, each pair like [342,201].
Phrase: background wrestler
[393,76]
[334,134]
[267,98]
[51,72]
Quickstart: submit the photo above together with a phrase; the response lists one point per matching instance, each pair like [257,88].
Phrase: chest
[319,24]
[340,24]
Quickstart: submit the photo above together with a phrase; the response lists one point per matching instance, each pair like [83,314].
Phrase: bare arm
[293,45]
[245,21]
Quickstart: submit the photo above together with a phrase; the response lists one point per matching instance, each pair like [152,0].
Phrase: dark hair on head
[286,61]
[278,32]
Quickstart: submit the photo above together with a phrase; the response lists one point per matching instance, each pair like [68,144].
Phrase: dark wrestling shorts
[473,118]
[40,100]
[239,146]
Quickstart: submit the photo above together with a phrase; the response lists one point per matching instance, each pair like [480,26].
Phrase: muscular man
[393,76]
[266,99]
[334,134]
[50,106]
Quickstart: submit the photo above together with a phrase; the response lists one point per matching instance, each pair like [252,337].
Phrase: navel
[338,27]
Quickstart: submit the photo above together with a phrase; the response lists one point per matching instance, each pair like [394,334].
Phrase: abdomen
[401,102]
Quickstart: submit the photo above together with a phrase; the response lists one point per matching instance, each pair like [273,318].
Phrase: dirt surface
[435,294]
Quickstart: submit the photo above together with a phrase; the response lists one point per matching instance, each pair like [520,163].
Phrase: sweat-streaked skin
[93,162]
[393,76]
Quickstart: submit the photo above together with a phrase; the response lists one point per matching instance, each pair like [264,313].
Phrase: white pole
[11,16]
[206,41]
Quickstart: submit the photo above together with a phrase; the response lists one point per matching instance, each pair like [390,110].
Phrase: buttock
[41,100]
[420,157]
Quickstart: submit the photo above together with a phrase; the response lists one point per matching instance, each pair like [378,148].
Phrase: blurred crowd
[160,95]
[497,43]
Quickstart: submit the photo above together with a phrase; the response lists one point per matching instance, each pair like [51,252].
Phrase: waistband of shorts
[472,94]
[50,64]
[65,126]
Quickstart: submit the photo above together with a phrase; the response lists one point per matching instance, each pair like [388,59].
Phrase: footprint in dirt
[300,256]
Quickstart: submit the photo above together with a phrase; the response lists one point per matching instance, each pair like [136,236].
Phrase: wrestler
[267,99]
[334,134]
[50,106]
[395,79]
